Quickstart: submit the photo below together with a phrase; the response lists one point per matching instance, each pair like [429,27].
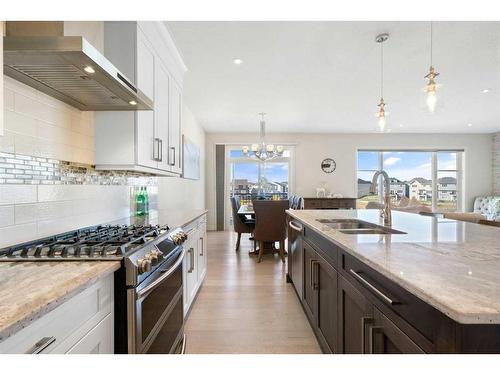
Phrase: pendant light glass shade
[381,115]
[431,87]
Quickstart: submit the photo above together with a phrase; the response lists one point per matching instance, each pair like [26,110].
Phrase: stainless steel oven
[155,317]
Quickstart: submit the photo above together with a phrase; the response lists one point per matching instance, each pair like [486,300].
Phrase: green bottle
[140,203]
[146,201]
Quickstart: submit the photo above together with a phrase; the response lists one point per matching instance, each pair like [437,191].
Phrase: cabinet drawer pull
[173,156]
[41,345]
[314,284]
[364,321]
[191,261]
[156,149]
[160,151]
[183,347]
[295,227]
[372,288]
[202,246]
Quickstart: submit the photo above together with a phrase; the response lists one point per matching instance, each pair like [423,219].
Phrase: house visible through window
[425,178]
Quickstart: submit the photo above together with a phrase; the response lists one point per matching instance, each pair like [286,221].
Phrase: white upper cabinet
[146,144]
[145,65]
[175,129]
[147,141]
[162,100]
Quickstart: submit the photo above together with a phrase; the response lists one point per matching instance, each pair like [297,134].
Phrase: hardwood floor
[245,306]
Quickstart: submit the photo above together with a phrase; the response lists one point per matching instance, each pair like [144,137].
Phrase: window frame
[291,147]
[434,171]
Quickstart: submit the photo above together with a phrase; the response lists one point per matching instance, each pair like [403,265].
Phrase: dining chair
[296,202]
[300,203]
[270,224]
[240,223]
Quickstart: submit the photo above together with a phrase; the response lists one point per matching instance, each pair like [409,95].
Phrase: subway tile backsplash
[48,183]
[51,209]
[34,170]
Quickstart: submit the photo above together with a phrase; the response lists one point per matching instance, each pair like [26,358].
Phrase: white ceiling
[325,76]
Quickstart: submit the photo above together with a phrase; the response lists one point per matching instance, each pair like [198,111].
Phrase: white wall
[178,193]
[496,164]
[311,149]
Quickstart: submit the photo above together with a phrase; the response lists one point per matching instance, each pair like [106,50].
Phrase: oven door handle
[171,270]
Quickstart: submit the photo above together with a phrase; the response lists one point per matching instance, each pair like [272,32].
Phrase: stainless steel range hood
[68,68]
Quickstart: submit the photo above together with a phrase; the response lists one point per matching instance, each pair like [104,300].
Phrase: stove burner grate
[101,242]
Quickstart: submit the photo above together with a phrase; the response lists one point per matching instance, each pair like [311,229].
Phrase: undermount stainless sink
[354,226]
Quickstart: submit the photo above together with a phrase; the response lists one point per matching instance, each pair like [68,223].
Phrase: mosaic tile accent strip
[33,170]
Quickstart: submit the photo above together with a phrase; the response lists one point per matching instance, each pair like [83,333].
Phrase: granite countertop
[452,265]
[31,289]
[46,285]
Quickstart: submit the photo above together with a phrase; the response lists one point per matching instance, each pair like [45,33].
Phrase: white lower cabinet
[202,251]
[190,272]
[195,261]
[82,324]
[98,341]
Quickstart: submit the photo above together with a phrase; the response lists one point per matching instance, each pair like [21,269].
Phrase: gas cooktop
[102,242]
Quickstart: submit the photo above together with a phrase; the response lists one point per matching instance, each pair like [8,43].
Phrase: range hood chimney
[68,68]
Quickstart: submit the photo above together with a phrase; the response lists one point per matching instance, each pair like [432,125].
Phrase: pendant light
[431,87]
[381,105]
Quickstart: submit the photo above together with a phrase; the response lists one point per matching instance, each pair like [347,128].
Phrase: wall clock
[328,165]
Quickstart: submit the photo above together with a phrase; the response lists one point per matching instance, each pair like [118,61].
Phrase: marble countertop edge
[8,330]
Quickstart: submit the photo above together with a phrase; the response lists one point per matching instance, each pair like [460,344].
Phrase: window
[369,162]
[447,176]
[428,178]
[250,179]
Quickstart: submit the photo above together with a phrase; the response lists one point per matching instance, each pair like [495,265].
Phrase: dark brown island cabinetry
[354,309]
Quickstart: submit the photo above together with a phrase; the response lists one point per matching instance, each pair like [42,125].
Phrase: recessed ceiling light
[485,91]
[89,69]
[132,102]
[400,125]
[469,124]
[238,61]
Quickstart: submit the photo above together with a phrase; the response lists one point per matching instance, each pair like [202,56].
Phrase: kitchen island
[432,287]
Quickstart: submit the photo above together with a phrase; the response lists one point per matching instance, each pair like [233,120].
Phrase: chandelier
[262,151]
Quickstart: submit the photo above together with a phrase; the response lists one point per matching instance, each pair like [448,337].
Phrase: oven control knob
[182,236]
[155,256]
[178,238]
[144,264]
[175,239]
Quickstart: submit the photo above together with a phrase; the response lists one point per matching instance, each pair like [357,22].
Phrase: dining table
[246,209]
